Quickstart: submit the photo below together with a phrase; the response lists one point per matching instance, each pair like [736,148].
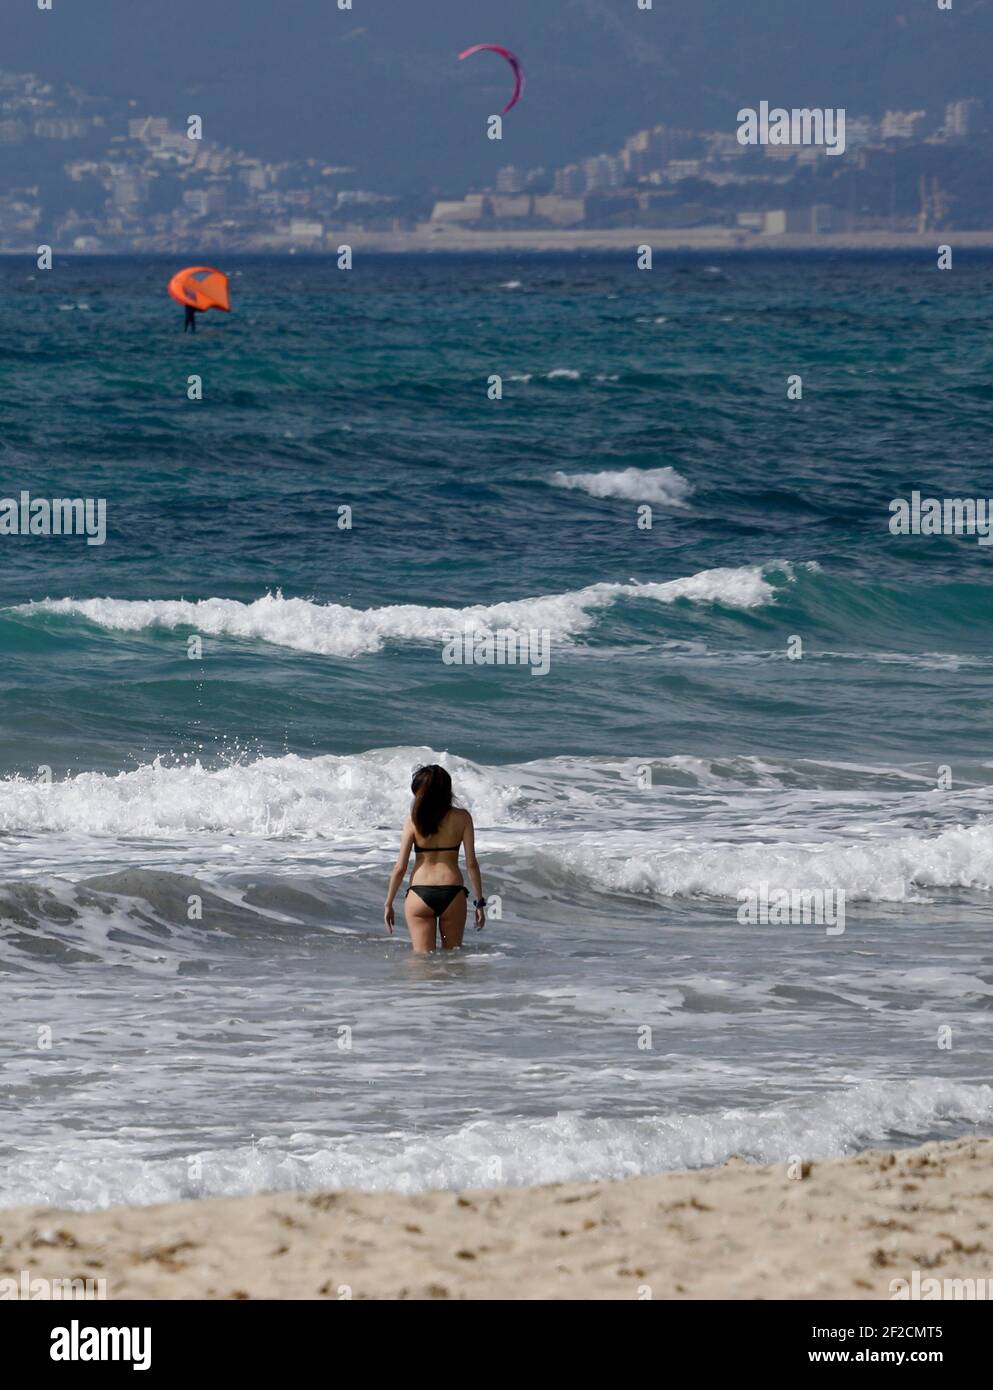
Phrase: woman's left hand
[389,917]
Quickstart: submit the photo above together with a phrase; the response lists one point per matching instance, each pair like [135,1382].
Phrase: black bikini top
[436,849]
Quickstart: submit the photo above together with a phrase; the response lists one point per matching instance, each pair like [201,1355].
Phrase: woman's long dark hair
[432,788]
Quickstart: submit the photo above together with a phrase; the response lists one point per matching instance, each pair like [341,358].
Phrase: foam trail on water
[871,870]
[491,1153]
[640,848]
[269,797]
[333,629]
[663,486]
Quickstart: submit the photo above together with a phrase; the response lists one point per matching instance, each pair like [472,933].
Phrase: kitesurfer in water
[199,288]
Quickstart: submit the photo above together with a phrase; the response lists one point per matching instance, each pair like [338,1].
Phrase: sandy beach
[844,1230]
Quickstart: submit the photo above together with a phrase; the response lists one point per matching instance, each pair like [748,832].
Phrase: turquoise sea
[765,686]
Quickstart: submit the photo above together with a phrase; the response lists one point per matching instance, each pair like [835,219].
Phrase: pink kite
[511,58]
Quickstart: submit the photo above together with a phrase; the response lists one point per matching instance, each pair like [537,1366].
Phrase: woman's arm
[396,877]
[472,868]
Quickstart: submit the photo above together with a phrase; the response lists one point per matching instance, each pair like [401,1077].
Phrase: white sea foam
[271,797]
[334,629]
[564,374]
[664,486]
[651,844]
[563,1148]
[873,870]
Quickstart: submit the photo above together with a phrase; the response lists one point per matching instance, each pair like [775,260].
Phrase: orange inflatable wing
[201,286]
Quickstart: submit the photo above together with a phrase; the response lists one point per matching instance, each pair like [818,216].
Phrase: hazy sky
[380,88]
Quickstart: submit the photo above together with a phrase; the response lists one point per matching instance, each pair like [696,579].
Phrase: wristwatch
[479,902]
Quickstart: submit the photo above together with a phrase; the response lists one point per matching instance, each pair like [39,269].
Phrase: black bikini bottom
[438,898]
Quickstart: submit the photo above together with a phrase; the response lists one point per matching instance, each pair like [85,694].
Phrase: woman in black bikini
[435,830]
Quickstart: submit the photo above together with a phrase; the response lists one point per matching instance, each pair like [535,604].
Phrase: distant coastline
[704,239]
[685,239]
